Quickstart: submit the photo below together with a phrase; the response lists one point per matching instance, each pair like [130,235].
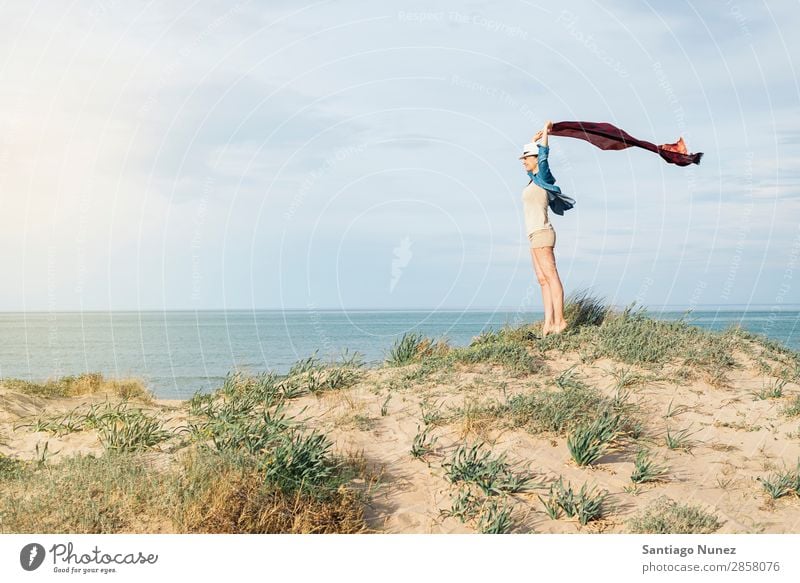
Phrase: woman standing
[542,236]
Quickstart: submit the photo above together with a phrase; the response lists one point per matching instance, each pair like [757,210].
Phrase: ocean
[178,353]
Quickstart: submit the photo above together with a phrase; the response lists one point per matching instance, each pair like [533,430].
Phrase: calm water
[177,353]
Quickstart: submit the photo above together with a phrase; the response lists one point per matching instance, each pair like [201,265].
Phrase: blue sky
[344,155]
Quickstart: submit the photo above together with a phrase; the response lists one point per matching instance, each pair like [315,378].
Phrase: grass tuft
[586,504]
[133,430]
[780,484]
[10,467]
[793,408]
[494,518]
[679,439]
[587,443]
[492,474]
[414,346]
[665,516]
[771,391]
[563,411]
[83,384]
[645,469]
[582,309]
[423,444]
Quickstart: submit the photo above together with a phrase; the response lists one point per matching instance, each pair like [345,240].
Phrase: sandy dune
[736,439]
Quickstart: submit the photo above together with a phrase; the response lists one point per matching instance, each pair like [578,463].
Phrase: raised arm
[542,133]
[544,150]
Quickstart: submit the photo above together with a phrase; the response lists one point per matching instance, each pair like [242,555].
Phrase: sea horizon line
[675,307]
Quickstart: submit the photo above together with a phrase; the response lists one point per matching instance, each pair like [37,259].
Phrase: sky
[351,155]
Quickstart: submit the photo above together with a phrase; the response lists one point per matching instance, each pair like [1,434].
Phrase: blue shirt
[556,200]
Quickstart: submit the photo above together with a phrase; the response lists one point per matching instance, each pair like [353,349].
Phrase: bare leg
[547,300]
[547,264]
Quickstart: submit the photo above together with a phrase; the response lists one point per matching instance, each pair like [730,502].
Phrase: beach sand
[735,438]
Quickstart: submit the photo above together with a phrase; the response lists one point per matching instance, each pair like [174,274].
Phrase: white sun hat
[529,150]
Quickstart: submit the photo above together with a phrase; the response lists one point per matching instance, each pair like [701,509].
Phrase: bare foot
[546,329]
[558,328]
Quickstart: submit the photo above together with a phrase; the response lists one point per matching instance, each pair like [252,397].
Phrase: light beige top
[534,205]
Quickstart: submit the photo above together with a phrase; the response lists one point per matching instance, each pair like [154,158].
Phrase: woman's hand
[544,132]
[537,136]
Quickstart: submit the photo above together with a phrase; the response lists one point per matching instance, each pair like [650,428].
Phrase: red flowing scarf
[608,137]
